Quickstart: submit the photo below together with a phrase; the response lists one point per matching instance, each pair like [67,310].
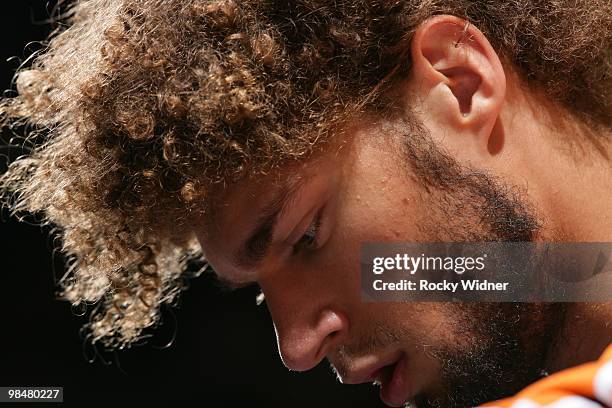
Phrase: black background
[224,353]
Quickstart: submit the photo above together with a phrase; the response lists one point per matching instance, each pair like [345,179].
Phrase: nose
[303,346]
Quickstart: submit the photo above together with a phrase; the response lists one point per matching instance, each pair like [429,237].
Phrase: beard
[508,342]
[506,352]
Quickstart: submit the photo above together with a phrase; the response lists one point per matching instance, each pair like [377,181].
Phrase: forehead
[235,214]
[245,197]
[237,208]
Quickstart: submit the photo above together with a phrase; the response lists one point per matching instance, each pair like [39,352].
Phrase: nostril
[330,342]
[333,325]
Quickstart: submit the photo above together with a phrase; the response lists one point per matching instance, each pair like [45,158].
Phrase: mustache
[375,342]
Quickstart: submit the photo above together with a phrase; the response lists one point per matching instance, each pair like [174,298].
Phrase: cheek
[377,209]
[374,204]
[380,203]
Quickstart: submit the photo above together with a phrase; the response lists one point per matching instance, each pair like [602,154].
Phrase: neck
[566,167]
[586,332]
[579,209]
[577,196]
[570,182]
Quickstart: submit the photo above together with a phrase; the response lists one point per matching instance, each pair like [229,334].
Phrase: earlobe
[458,75]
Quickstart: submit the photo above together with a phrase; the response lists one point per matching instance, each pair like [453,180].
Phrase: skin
[475,109]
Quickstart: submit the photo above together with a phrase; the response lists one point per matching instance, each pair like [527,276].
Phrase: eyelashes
[309,237]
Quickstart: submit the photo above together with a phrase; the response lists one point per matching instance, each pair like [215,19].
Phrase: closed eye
[308,240]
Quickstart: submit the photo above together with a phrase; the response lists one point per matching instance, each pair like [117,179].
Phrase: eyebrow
[256,246]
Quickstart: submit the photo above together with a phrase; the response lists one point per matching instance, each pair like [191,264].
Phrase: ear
[459,80]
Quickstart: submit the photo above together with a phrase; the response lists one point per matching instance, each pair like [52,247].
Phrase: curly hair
[145,109]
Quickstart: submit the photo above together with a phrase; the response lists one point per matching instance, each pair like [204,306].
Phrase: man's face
[381,185]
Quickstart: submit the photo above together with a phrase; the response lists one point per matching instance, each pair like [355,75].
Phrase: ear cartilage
[463,33]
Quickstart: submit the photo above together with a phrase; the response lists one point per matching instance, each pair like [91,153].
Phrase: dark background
[224,353]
